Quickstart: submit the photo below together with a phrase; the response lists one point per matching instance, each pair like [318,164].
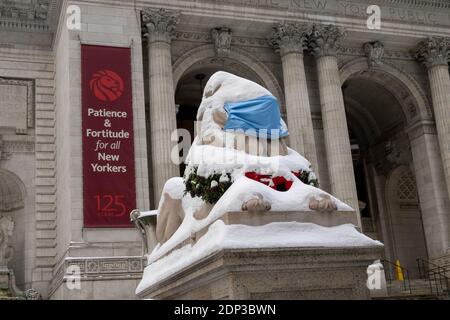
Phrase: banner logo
[107,85]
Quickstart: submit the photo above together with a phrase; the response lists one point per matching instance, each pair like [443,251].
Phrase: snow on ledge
[274,235]
[152,213]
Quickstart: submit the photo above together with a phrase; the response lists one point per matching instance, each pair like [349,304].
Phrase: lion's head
[107,85]
[225,88]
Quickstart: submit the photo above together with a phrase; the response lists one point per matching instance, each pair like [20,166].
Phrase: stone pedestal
[294,273]
[303,272]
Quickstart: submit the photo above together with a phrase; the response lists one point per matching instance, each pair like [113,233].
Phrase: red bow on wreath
[276,183]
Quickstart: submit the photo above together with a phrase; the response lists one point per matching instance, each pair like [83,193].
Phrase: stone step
[412,297]
[420,290]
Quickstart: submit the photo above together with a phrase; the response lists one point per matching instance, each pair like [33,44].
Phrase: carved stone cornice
[420,128]
[388,54]
[374,52]
[434,51]
[325,40]
[31,15]
[205,37]
[34,11]
[290,38]
[159,25]
[221,38]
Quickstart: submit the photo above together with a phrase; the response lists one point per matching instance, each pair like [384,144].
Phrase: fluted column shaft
[433,53]
[298,108]
[431,185]
[337,142]
[290,41]
[440,92]
[160,25]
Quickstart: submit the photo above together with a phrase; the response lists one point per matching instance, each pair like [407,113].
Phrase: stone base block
[294,274]
[105,289]
[97,278]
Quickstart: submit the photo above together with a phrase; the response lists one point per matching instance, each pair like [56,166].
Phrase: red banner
[109,187]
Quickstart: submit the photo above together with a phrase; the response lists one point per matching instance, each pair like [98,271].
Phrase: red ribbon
[276,183]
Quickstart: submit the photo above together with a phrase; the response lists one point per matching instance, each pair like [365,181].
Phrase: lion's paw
[256,204]
[323,204]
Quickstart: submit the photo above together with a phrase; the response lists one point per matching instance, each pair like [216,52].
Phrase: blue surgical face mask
[259,117]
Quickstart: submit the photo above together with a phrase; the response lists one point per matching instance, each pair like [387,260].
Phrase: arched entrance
[379,108]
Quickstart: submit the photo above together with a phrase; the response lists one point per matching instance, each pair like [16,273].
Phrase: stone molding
[420,128]
[204,37]
[388,54]
[159,25]
[30,96]
[18,146]
[435,4]
[99,268]
[438,4]
[433,51]
[289,38]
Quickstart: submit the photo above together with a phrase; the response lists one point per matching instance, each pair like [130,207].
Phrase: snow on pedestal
[274,235]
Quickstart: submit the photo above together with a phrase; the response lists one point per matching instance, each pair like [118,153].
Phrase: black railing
[436,276]
[387,265]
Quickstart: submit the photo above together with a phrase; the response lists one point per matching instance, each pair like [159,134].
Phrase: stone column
[289,39]
[434,54]
[431,186]
[324,44]
[160,26]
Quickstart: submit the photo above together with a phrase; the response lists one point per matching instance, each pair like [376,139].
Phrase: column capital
[325,40]
[159,24]
[288,37]
[433,51]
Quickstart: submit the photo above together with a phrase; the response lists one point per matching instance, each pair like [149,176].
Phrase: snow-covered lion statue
[238,162]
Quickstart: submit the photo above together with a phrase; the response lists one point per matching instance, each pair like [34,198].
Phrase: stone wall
[29,152]
[100,26]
